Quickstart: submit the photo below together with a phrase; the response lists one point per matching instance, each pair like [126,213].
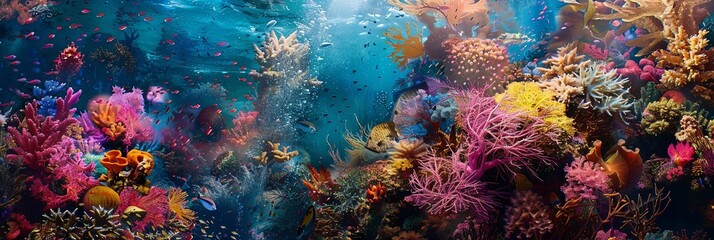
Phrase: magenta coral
[446,186]
[681,154]
[132,100]
[139,127]
[585,180]
[645,71]
[49,156]
[155,203]
[499,138]
[595,52]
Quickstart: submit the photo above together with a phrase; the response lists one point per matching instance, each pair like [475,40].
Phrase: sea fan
[155,203]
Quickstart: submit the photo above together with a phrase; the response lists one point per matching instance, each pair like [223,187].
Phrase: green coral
[648,94]
[661,117]
[353,185]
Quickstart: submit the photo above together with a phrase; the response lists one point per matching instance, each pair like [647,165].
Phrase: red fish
[146,19]
[10,57]
[196,106]
[216,54]
[85,11]
[34,82]
[122,27]
[49,45]
[51,36]
[75,26]
[222,44]
[101,14]
[170,42]
[22,94]
[15,63]
[168,19]
[142,13]
[110,39]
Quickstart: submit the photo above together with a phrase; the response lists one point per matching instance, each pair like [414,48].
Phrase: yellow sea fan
[177,205]
[527,97]
[407,44]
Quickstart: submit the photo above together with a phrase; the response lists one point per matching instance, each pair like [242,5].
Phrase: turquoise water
[334,119]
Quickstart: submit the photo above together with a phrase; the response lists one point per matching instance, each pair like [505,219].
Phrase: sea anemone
[681,154]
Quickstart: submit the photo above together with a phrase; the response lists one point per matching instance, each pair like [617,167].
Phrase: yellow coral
[402,164]
[407,44]
[684,59]
[528,98]
[177,205]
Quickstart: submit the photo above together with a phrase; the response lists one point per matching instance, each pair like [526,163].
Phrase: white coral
[4,118]
[605,90]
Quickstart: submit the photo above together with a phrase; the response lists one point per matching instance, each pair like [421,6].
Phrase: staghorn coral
[585,180]
[529,99]
[564,87]
[527,217]
[566,61]
[661,18]
[177,200]
[406,44]
[375,193]
[685,60]
[476,63]
[243,128]
[661,117]
[605,91]
[155,203]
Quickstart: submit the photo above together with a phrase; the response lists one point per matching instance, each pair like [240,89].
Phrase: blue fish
[207,203]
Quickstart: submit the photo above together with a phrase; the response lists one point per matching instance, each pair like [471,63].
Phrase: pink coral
[497,137]
[139,127]
[528,217]
[446,186]
[476,63]
[132,100]
[681,154]
[585,180]
[645,70]
[69,62]
[243,128]
[155,203]
[58,173]
[595,52]
[611,234]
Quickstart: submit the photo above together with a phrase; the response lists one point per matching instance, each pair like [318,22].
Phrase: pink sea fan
[585,180]
[139,127]
[155,203]
[498,138]
[445,185]
[681,154]
[69,177]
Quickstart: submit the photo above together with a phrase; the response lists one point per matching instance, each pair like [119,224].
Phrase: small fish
[110,39]
[207,203]
[33,82]
[142,13]
[10,57]
[85,11]
[271,23]
[170,42]
[75,26]
[222,44]
[122,27]
[101,14]
[325,44]
[168,19]
[22,79]
[51,36]
[146,19]
[196,106]
[15,63]
[216,54]
[48,45]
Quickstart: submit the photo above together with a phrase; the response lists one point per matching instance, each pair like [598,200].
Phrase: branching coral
[98,223]
[528,98]
[566,61]
[661,117]
[407,44]
[685,59]
[605,91]
[660,18]
[243,128]
[585,180]
[476,62]
[320,185]
[528,217]
[564,87]
[642,213]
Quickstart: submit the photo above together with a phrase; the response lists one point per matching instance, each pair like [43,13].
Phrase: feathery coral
[407,44]
[155,203]
[177,205]
[528,98]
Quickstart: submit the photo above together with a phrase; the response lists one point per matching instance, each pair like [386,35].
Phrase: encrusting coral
[661,117]
[407,44]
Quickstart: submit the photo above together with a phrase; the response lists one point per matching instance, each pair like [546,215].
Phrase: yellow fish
[381,137]
[307,221]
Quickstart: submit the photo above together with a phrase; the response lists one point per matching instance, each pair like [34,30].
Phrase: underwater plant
[407,45]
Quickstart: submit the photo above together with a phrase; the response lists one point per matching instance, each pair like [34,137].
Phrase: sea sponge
[661,117]
[113,162]
[476,63]
[685,59]
[528,98]
[143,161]
[407,44]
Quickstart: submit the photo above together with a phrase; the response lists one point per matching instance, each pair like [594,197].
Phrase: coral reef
[476,63]
[681,154]
[585,180]
[661,117]
[529,99]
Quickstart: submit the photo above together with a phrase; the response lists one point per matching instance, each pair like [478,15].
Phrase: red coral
[375,193]
[243,128]
[69,61]
[155,203]
[595,52]
[22,8]
[320,185]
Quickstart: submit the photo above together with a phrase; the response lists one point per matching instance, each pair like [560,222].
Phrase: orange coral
[177,205]
[452,11]
[406,44]
[103,114]
[375,193]
[624,166]
[685,59]
[320,184]
[113,162]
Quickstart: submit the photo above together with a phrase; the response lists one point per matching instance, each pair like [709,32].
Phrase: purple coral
[527,217]
[585,180]
[446,186]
